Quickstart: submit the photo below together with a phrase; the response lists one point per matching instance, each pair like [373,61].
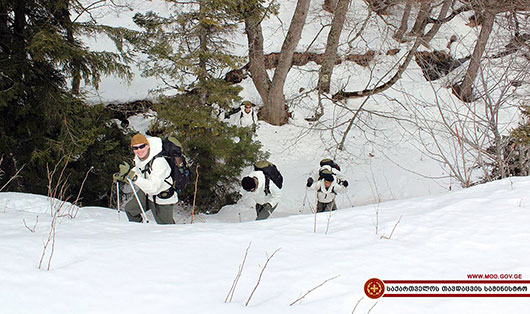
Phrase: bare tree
[485,13]
[464,90]
[271,91]
[398,35]
[330,54]
[468,138]
[436,26]
[421,18]
[256,57]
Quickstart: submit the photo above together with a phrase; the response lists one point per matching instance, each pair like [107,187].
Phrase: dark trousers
[263,211]
[326,207]
[163,213]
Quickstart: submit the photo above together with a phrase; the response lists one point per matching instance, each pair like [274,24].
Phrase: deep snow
[104,264]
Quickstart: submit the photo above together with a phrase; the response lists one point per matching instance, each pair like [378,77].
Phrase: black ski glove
[309,182]
[345,183]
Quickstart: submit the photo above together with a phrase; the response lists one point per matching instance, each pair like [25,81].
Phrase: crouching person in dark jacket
[153,178]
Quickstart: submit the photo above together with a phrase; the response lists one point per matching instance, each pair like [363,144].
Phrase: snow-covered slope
[103,264]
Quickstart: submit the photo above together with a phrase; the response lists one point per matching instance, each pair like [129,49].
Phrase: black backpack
[271,173]
[329,162]
[180,171]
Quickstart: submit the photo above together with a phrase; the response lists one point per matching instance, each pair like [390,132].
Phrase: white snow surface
[103,264]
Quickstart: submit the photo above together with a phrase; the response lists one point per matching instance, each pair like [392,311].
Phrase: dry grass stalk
[372,307]
[34,227]
[316,210]
[58,199]
[329,216]
[195,192]
[12,178]
[357,304]
[311,290]
[260,275]
[56,193]
[391,233]
[230,294]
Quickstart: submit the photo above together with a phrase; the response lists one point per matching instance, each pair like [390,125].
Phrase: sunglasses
[139,146]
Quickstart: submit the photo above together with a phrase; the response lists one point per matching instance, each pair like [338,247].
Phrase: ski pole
[303,202]
[144,215]
[118,195]
[351,203]
[316,210]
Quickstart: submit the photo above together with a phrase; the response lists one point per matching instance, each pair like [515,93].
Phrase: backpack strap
[332,190]
[267,189]
[149,167]
[251,114]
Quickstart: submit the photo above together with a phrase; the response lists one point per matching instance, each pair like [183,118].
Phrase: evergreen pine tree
[44,124]
[190,49]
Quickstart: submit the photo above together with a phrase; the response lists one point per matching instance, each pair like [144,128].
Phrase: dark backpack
[180,171]
[271,173]
[329,162]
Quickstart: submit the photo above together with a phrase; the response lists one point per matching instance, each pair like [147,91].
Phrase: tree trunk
[274,107]
[423,14]
[271,92]
[330,55]
[404,22]
[465,90]
[436,26]
[257,69]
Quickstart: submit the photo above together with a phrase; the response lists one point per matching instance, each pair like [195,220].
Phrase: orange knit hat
[139,139]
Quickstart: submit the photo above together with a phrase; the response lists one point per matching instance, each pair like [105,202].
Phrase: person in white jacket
[327,187]
[153,178]
[248,116]
[266,195]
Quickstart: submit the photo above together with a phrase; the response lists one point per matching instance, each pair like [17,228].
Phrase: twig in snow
[195,192]
[13,177]
[355,307]
[329,217]
[260,275]
[34,227]
[234,284]
[316,210]
[391,233]
[372,307]
[311,290]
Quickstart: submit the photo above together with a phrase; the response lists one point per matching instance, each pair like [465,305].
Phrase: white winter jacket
[247,119]
[153,182]
[327,195]
[259,194]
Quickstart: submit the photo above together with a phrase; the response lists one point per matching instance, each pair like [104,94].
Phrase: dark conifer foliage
[221,151]
[44,124]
